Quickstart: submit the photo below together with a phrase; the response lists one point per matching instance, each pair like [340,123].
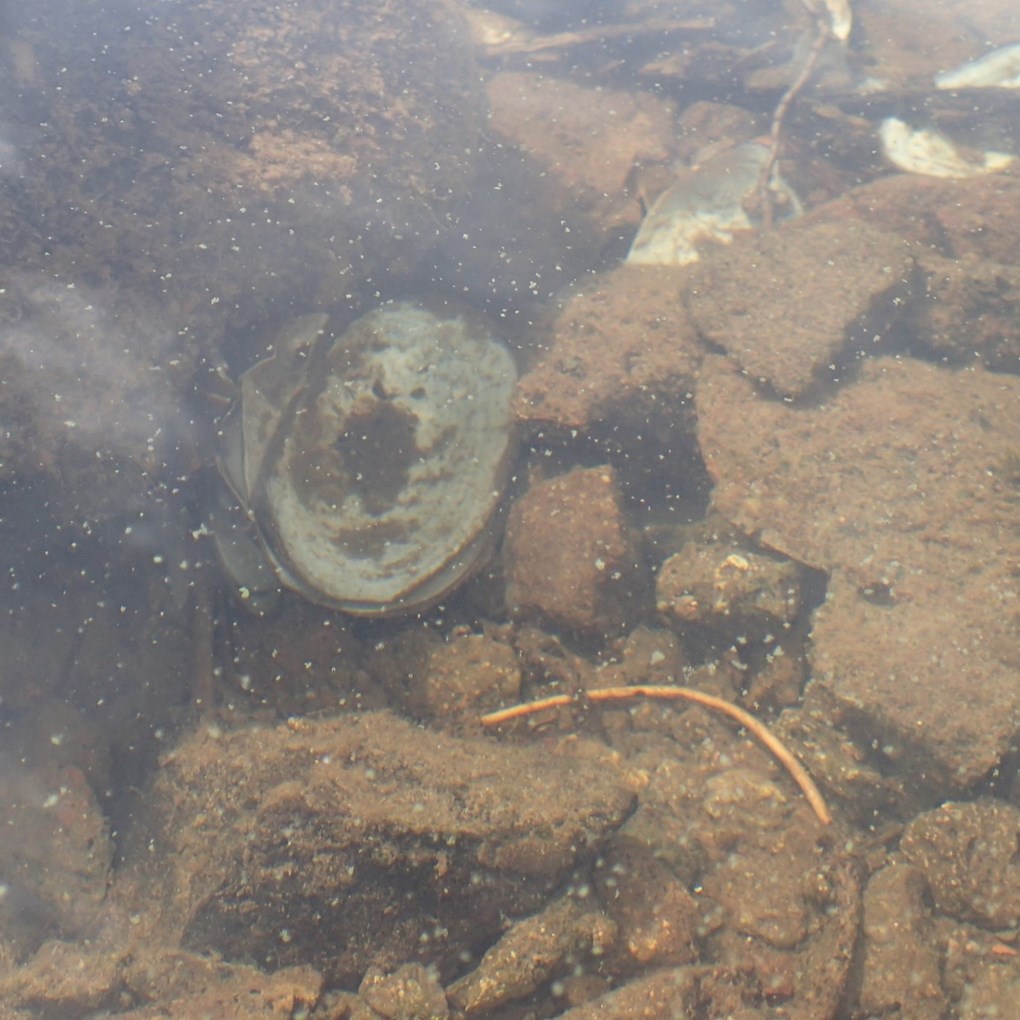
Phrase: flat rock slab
[624,343]
[792,306]
[957,218]
[904,488]
[366,841]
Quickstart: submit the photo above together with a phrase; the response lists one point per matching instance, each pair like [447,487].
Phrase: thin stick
[765,177]
[754,726]
[526,43]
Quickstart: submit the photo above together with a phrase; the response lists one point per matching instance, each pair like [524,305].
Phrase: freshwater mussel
[368,466]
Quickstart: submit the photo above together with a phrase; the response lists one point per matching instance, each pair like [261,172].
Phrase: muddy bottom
[720,719]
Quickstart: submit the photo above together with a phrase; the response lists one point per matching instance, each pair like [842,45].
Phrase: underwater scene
[510,510]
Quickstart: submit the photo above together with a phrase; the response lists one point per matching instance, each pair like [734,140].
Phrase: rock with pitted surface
[749,300]
[901,488]
[570,555]
[366,841]
[968,855]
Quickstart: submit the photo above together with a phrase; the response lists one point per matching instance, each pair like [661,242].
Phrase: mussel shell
[708,202]
[374,462]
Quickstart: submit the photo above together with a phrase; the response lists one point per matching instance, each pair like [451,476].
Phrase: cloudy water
[510,511]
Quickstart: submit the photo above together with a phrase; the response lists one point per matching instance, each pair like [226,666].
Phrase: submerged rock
[571,556]
[365,840]
[751,300]
[899,487]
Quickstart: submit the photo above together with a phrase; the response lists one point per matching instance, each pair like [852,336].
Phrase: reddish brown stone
[957,217]
[570,556]
[900,487]
[749,299]
[624,343]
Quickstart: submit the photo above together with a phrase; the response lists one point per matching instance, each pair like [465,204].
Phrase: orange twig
[757,728]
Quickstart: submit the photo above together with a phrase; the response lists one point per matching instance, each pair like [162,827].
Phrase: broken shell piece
[927,151]
[837,14]
[708,203]
[369,465]
[241,553]
[998,69]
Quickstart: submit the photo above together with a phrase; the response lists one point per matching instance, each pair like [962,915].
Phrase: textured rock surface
[749,299]
[341,844]
[898,487]
[530,953]
[570,555]
[617,348]
[953,218]
[902,962]
[970,309]
[968,855]
[467,676]
[726,586]
[672,992]
[657,917]
[411,991]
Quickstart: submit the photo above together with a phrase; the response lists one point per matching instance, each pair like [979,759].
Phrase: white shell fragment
[998,69]
[708,203]
[836,12]
[927,151]
[372,464]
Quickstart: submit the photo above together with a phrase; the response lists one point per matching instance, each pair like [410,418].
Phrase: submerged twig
[823,35]
[754,726]
[506,42]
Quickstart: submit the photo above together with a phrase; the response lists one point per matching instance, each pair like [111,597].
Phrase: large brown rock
[901,488]
[365,841]
[970,309]
[794,306]
[620,347]
[956,218]
[570,555]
